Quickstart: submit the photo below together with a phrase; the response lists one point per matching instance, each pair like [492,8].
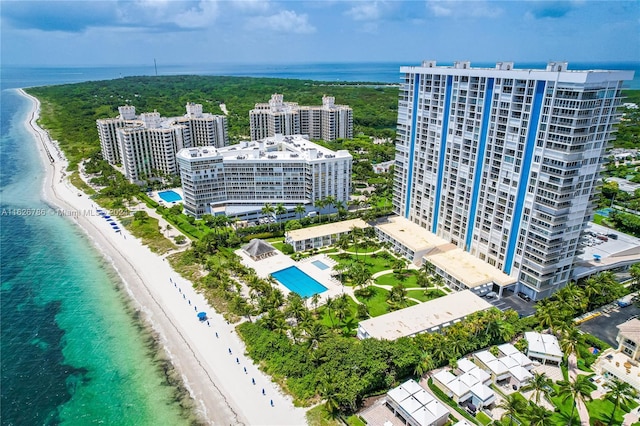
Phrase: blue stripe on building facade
[477,176]
[443,149]
[532,134]
[412,143]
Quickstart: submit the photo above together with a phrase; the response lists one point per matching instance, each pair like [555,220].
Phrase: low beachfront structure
[543,347]
[323,235]
[510,366]
[471,385]
[258,249]
[459,269]
[623,363]
[417,407]
[238,180]
[430,316]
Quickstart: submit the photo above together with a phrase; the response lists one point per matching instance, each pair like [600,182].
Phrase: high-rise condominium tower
[504,162]
[328,121]
[146,145]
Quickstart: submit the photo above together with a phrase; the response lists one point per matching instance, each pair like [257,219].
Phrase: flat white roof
[291,148]
[485,356]
[410,234]
[424,316]
[444,377]
[467,268]
[324,230]
[562,76]
[544,344]
[461,265]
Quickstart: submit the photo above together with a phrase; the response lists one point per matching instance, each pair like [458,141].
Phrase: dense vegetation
[70,110]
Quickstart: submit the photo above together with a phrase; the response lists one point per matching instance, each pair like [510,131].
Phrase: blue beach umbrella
[202,316]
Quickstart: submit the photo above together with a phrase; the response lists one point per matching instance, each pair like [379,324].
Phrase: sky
[135,32]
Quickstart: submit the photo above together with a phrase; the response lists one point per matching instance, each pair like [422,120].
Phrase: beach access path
[208,356]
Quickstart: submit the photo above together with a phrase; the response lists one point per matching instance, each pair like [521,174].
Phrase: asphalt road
[604,327]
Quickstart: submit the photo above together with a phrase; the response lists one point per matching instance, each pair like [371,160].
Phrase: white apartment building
[146,145]
[328,121]
[503,162]
[239,180]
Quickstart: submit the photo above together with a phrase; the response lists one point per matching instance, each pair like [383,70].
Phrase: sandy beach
[209,356]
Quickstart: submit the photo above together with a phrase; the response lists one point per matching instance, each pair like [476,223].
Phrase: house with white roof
[416,406]
[511,366]
[543,347]
[471,386]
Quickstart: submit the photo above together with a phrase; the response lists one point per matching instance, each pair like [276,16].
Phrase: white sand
[223,391]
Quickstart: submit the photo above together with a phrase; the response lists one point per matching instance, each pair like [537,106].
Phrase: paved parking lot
[604,326]
[510,300]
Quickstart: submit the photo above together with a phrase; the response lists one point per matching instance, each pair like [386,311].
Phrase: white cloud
[461,9]
[286,21]
[365,11]
[181,14]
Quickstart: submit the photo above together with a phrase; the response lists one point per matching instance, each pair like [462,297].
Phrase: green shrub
[287,248]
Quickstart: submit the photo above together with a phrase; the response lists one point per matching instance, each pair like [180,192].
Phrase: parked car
[523,296]
[491,295]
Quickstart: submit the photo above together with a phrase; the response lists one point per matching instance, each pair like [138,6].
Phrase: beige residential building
[146,144]
[623,363]
[327,121]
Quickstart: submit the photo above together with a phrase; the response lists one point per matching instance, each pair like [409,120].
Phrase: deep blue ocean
[73,350]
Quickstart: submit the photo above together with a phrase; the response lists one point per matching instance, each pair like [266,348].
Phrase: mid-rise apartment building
[328,121]
[239,180]
[146,144]
[504,162]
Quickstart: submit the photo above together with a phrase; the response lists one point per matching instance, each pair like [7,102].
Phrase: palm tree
[570,340]
[319,204]
[547,313]
[540,385]
[314,300]
[315,334]
[300,210]
[578,389]
[268,210]
[424,365]
[619,393]
[537,415]
[330,305]
[428,268]
[279,210]
[512,405]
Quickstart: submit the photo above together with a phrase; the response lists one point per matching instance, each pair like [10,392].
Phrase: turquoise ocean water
[73,350]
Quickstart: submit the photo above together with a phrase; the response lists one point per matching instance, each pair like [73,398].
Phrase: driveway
[604,326]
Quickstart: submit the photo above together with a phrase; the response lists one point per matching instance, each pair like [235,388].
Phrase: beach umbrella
[106,216]
[202,316]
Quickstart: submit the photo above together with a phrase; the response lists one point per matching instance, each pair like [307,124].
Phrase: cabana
[258,249]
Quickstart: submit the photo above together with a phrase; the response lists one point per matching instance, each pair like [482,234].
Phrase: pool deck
[154,195]
[279,261]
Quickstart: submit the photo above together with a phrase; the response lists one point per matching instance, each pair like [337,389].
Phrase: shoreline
[216,380]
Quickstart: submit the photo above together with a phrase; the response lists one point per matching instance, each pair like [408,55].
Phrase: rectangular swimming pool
[318,264]
[299,282]
[170,196]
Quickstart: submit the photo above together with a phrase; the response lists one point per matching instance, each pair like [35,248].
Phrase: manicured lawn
[377,304]
[325,319]
[374,264]
[419,294]
[362,249]
[600,409]
[393,279]
[597,218]
[483,418]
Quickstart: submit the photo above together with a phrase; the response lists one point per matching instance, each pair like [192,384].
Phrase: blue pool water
[604,212]
[170,196]
[320,265]
[299,282]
